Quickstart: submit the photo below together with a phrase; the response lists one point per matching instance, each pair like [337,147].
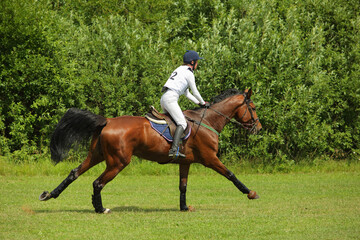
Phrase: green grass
[315,205]
[45,167]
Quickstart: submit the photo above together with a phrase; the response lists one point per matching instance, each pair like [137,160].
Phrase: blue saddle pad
[164,131]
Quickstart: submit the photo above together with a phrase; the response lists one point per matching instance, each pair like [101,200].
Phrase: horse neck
[227,108]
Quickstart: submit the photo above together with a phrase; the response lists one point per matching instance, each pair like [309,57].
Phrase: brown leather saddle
[155,116]
[165,120]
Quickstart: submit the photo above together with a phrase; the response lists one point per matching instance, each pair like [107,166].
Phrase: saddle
[163,123]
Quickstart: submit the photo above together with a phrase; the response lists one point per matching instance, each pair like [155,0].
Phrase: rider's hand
[206,105]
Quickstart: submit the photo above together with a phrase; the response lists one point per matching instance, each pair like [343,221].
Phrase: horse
[115,140]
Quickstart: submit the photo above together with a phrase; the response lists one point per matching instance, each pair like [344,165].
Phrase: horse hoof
[253,195]
[184,208]
[191,209]
[188,209]
[103,211]
[45,196]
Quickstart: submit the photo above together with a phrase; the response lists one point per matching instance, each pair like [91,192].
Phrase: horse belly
[135,133]
[152,146]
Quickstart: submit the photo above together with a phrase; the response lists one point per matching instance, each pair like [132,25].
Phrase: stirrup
[177,154]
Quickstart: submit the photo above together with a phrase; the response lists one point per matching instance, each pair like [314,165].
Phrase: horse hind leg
[115,164]
[98,185]
[59,189]
[94,157]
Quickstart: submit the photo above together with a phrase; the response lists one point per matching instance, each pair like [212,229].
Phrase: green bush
[112,57]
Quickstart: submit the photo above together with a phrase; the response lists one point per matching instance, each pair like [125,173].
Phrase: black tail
[74,127]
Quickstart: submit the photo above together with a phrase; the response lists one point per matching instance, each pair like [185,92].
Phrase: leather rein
[249,126]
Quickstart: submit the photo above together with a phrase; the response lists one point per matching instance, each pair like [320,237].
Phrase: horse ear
[248,93]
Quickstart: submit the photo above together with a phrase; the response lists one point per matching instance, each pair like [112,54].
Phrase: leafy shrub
[112,57]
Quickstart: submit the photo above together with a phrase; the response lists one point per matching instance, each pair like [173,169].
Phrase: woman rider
[178,84]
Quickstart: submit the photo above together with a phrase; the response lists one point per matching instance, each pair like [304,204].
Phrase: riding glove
[206,105]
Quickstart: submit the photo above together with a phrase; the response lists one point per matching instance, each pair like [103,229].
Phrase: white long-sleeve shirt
[181,80]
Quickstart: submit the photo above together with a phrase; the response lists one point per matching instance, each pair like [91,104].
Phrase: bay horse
[115,140]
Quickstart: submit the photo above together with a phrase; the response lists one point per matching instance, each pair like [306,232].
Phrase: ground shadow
[64,211]
[115,209]
[141,209]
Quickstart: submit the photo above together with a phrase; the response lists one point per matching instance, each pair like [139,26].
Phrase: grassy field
[314,205]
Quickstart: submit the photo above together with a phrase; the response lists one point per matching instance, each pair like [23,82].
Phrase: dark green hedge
[112,57]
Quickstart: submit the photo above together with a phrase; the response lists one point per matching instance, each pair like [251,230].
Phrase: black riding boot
[174,150]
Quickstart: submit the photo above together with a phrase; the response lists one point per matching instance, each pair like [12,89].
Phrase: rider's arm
[196,94]
[191,97]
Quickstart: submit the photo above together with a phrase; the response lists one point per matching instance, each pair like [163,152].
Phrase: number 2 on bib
[173,75]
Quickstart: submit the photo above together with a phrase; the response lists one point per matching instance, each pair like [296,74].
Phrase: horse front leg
[250,194]
[184,172]
[220,168]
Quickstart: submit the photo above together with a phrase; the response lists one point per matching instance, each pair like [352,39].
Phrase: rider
[178,84]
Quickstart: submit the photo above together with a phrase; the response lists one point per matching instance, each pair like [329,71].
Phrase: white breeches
[169,104]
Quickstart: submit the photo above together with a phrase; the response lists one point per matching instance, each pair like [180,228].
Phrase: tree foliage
[301,58]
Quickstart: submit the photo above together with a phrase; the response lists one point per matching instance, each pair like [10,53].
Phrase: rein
[244,125]
[231,120]
[249,126]
[202,117]
[202,124]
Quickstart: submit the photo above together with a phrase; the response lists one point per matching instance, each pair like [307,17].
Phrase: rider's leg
[170,105]
[174,150]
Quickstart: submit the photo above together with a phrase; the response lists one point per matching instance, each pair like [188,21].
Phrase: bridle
[249,126]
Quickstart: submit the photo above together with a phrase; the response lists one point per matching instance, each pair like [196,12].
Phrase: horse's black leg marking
[64,184]
[183,206]
[96,198]
[237,183]
[184,171]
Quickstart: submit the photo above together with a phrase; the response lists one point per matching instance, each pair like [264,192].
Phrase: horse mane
[222,96]
[225,94]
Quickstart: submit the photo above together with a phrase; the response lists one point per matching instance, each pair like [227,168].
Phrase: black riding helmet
[190,56]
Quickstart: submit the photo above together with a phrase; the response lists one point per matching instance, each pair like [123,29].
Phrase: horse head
[246,114]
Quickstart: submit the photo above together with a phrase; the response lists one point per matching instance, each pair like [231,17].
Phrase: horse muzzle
[255,127]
